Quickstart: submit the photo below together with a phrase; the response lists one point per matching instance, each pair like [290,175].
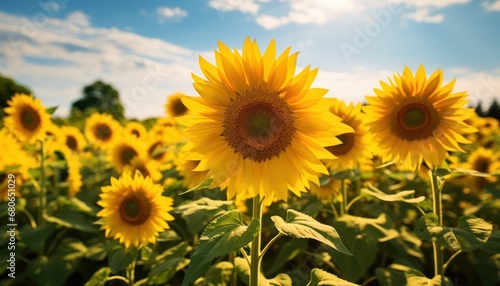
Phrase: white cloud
[171,13]
[424,15]
[270,22]
[58,57]
[245,6]
[492,6]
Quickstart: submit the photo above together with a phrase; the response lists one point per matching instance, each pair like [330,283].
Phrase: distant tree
[101,97]
[8,87]
[494,110]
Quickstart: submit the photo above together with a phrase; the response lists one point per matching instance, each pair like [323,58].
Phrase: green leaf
[300,225]
[493,243]
[99,277]
[35,237]
[241,267]
[225,234]
[119,257]
[168,235]
[321,277]
[67,217]
[168,263]
[457,172]
[77,205]
[205,185]
[416,278]
[199,213]
[287,251]
[96,251]
[362,236]
[51,110]
[218,275]
[403,196]
[391,276]
[54,270]
[471,233]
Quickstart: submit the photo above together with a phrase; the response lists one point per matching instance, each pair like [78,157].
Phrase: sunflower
[124,151]
[134,210]
[258,129]
[485,161]
[166,131]
[415,119]
[136,129]
[355,149]
[74,178]
[147,167]
[13,160]
[72,138]
[329,190]
[174,106]
[185,168]
[26,118]
[102,130]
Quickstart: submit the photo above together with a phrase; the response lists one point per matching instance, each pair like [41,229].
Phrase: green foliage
[300,225]
[320,277]
[101,97]
[243,270]
[168,263]
[199,213]
[471,233]
[225,234]
[217,275]
[99,277]
[8,88]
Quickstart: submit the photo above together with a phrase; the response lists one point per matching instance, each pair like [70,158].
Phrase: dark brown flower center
[72,143]
[102,131]
[135,133]
[135,209]
[178,107]
[482,164]
[127,154]
[343,148]
[30,118]
[414,121]
[155,151]
[259,125]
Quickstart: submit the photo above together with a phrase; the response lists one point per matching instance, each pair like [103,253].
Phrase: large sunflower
[26,118]
[258,128]
[102,130]
[356,147]
[415,119]
[134,210]
[174,106]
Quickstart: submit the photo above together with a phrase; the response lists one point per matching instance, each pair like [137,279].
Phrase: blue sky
[148,49]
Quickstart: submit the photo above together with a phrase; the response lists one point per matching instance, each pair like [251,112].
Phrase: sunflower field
[259,179]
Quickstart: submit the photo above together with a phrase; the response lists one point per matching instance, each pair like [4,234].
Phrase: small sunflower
[136,129]
[124,151]
[258,128]
[102,130]
[147,167]
[485,161]
[174,106]
[74,178]
[355,149]
[72,138]
[415,119]
[53,138]
[13,160]
[185,168]
[26,118]
[134,210]
[329,190]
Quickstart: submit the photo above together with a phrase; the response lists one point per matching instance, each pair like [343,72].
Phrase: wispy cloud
[169,13]
[493,6]
[424,15]
[58,58]
[245,6]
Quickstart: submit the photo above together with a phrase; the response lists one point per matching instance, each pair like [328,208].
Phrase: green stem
[445,266]
[255,249]
[234,276]
[131,272]
[437,209]
[349,205]
[30,218]
[116,277]
[343,206]
[42,196]
[269,244]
